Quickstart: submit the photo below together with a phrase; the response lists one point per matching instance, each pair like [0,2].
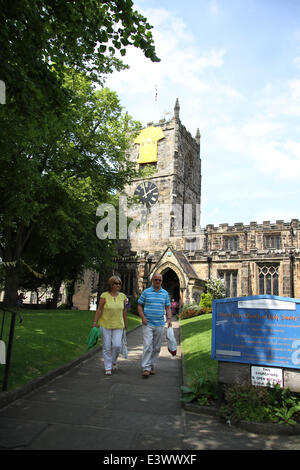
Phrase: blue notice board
[263,330]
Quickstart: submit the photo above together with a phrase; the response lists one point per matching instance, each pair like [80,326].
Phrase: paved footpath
[84,409]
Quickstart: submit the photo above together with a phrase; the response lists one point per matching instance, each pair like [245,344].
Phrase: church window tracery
[230,280]
[268,275]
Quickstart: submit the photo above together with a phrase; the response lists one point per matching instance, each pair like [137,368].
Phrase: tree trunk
[11,287]
[37,296]
[70,293]
[55,292]
[15,242]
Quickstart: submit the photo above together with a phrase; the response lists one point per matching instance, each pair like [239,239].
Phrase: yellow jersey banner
[148,139]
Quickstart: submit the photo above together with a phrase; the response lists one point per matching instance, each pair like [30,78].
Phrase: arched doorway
[171,284]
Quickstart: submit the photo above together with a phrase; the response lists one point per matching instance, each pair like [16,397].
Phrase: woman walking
[111,316]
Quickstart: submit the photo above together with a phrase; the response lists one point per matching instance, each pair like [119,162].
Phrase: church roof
[186,266]
[182,261]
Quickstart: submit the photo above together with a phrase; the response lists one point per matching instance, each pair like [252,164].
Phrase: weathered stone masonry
[252,259]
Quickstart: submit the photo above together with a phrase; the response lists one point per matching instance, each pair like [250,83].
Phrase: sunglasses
[159,280]
[117,283]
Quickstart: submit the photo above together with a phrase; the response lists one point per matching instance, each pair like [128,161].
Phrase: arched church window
[189,166]
[230,280]
[268,276]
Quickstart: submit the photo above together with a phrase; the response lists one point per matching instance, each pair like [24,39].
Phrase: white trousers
[152,339]
[111,345]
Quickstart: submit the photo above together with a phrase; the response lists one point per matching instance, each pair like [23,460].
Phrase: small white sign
[270,304]
[266,376]
[223,352]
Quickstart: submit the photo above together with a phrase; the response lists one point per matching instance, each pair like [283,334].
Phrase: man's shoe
[152,372]
[146,373]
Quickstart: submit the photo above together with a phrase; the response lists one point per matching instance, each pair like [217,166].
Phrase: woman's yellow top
[112,314]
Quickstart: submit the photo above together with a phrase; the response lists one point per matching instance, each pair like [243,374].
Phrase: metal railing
[14,315]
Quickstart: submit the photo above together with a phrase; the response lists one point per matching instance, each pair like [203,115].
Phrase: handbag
[124,350]
[171,341]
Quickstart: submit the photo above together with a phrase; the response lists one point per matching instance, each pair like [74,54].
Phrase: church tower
[168,200]
[166,216]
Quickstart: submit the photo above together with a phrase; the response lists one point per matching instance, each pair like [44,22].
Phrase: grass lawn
[196,347]
[47,339]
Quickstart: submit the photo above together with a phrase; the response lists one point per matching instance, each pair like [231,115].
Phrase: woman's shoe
[108,372]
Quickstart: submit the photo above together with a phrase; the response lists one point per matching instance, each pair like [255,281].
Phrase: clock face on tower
[147,193]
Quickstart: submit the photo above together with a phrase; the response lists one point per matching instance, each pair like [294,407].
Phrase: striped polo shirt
[154,303]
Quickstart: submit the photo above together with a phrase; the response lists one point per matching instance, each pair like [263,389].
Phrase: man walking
[153,303]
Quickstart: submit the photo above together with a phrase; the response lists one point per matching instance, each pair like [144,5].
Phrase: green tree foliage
[62,142]
[206,301]
[78,34]
[72,176]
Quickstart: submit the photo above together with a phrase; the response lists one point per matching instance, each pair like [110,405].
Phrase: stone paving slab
[82,409]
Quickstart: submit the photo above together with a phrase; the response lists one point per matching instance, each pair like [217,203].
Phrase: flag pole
[155,104]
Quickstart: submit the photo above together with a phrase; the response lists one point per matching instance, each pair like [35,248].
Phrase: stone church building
[165,234]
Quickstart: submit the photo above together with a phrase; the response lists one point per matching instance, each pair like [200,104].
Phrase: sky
[234,66]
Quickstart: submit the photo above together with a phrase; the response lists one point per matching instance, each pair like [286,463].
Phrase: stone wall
[248,250]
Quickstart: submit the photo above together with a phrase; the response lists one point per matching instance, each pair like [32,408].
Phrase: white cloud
[182,65]
[297,62]
[230,138]
[213,7]
[253,146]
[260,128]
[294,86]
[280,98]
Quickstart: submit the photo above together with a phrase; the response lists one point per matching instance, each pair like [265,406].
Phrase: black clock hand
[153,192]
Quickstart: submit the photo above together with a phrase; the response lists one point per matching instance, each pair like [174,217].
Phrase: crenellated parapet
[266,225]
[263,238]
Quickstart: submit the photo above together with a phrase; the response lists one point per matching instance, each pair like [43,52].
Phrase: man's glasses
[159,280]
[117,283]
